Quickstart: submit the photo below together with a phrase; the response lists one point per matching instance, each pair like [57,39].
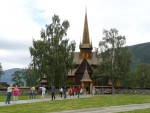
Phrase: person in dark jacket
[53,90]
[8,95]
[79,91]
[64,91]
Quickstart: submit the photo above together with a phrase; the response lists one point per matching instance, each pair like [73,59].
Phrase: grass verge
[70,104]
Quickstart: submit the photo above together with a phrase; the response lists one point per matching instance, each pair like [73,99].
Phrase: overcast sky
[22,20]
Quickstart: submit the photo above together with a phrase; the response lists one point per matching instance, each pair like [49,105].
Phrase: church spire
[85,39]
[85,44]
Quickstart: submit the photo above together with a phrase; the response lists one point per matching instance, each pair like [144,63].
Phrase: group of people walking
[72,91]
[63,91]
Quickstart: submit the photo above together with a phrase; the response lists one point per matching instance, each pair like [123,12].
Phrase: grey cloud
[15,58]
[11,45]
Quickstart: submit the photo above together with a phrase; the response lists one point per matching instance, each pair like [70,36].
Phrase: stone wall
[133,91]
[22,91]
[99,90]
[108,90]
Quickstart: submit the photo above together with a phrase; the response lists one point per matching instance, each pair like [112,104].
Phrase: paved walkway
[40,100]
[110,109]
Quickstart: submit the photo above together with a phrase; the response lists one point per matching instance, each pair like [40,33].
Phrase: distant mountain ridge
[6,77]
[140,53]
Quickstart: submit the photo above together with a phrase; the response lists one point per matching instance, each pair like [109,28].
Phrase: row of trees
[139,77]
[52,56]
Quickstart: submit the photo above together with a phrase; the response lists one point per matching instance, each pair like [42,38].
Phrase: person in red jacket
[16,93]
[73,91]
[70,92]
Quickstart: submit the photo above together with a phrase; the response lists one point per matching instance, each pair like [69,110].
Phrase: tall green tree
[17,78]
[141,76]
[30,76]
[116,58]
[52,55]
[123,64]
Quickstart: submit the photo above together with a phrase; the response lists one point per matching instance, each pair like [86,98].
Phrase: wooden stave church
[85,62]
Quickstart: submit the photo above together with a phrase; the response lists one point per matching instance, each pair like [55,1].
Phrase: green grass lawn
[70,104]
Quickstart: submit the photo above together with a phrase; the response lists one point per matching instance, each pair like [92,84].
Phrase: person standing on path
[8,95]
[93,90]
[64,91]
[61,91]
[32,92]
[70,91]
[53,90]
[43,91]
[15,93]
[73,91]
[78,91]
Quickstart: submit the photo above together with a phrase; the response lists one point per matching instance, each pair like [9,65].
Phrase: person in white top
[61,91]
[81,91]
[9,91]
[93,90]
[43,91]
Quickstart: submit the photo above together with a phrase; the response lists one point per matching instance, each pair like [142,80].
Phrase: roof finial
[86,10]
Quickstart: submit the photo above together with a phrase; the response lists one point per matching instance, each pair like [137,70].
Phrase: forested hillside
[140,53]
